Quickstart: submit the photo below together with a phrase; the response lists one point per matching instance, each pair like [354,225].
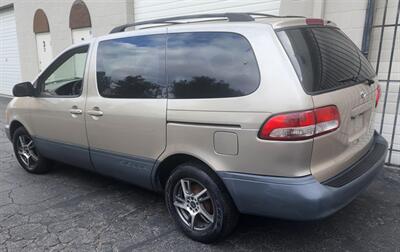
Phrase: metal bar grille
[388,82]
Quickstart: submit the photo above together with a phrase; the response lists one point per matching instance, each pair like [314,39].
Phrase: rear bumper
[303,198]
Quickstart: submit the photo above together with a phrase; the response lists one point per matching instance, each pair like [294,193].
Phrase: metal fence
[386,59]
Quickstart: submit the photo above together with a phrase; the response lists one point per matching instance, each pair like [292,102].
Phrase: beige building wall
[153,9]
[104,16]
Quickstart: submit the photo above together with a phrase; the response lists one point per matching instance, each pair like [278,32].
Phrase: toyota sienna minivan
[224,113]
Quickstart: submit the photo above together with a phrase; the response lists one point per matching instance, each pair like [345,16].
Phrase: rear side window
[132,67]
[324,58]
[210,65]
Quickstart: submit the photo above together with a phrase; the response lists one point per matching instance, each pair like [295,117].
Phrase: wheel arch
[14,125]
[164,168]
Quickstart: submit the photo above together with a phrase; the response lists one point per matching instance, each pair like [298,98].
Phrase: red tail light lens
[301,125]
[378,94]
[314,21]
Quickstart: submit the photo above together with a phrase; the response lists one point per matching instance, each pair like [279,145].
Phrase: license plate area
[358,126]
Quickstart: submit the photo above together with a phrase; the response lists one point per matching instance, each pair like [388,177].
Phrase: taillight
[314,21]
[378,94]
[301,125]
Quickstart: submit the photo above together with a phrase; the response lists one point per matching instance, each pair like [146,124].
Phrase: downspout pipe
[319,9]
[369,19]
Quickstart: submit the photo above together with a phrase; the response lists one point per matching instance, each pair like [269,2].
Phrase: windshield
[325,58]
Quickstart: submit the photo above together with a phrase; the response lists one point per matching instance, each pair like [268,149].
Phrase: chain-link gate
[384,54]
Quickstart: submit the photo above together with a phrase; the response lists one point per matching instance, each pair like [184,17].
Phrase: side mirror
[23,89]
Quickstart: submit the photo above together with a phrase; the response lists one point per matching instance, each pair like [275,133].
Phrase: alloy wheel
[26,151]
[193,204]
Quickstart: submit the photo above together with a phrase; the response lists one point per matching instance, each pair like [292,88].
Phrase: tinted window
[324,58]
[210,65]
[131,67]
[65,76]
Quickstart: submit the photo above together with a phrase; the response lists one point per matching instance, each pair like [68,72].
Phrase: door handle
[95,112]
[75,111]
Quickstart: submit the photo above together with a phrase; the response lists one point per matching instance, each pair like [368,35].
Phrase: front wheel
[199,203]
[27,155]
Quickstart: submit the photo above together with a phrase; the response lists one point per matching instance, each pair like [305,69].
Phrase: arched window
[79,16]
[40,22]
[41,29]
[79,22]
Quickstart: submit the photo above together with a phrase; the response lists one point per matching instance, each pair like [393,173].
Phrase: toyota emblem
[363,95]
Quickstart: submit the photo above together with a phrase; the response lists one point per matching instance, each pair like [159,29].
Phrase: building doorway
[43,39]
[79,22]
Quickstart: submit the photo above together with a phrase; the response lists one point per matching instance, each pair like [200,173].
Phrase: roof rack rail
[272,16]
[230,16]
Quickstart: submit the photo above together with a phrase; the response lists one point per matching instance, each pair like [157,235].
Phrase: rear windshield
[324,58]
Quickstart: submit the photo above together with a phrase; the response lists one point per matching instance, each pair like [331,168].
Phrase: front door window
[65,76]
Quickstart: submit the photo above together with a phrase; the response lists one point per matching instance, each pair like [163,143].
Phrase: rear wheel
[199,203]
[27,155]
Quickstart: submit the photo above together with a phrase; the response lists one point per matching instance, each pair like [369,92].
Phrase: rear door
[126,107]
[334,72]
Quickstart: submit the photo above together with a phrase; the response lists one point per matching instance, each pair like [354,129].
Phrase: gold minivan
[225,113]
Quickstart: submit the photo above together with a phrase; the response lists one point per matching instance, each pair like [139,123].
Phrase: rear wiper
[356,79]
[370,81]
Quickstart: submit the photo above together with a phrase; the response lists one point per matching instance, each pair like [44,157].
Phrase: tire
[221,215]
[24,146]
